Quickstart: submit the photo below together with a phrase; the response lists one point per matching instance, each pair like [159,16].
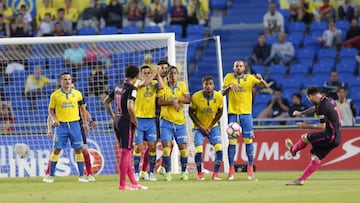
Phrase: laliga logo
[96,158]
[350,151]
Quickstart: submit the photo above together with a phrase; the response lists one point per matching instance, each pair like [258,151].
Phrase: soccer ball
[234,130]
[22,150]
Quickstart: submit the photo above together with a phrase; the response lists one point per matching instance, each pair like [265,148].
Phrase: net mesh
[97,67]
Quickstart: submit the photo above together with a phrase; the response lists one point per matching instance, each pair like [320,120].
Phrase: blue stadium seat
[258,69]
[327,53]
[195,30]
[318,26]
[19,76]
[310,42]
[299,69]
[320,78]
[218,4]
[297,27]
[109,30]
[152,29]
[346,66]
[327,61]
[131,29]
[343,25]
[56,63]
[346,76]
[271,40]
[177,29]
[277,69]
[322,68]
[33,62]
[296,39]
[86,31]
[305,54]
[348,53]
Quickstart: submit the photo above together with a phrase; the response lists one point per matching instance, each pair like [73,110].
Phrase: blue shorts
[246,123]
[170,130]
[214,136]
[68,130]
[146,130]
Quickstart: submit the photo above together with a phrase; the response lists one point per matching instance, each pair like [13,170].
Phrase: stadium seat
[57,63]
[318,26]
[343,25]
[305,54]
[109,30]
[131,29]
[299,69]
[296,39]
[177,29]
[152,29]
[310,42]
[218,4]
[346,76]
[277,69]
[346,66]
[327,61]
[327,53]
[19,76]
[195,30]
[258,69]
[348,53]
[271,40]
[322,68]
[86,31]
[297,27]
[33,62]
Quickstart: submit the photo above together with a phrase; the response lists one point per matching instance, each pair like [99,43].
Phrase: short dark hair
[23,6]
[61,9]
[144,67]
[298,95]
[162,62]
[277,89]
[341,88]
[65,73]
[173,67]
[207,78]
[312,90]
[261,33]
[131,71]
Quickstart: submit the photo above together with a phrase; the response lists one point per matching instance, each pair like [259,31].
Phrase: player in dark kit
[322,142]
[125,124]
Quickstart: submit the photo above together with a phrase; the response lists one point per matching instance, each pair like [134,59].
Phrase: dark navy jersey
[121,94]
[329,113]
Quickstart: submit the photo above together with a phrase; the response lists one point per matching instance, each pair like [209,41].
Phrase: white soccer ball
[233,130]
[22,150]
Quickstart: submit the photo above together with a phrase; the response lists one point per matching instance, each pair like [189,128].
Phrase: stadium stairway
[245,11]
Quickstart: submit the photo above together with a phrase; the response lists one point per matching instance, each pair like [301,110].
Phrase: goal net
[97,64]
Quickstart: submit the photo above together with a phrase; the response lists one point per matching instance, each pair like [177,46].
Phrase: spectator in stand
[273,21]
[66,24]
[58,30]
[113,14]
[347,108]
[45,26]
[157,15]
[179,15]
[74,58]
[282,52]
[277,107]
[27,15]
[135,14]
[4,28]
[198,13]
[91,17]
[6,11]
[297,105]
[98,81]
[34,87]
[331,86]
[97,53]
[348,11]
[331,37]
[7,117]
[353,35]
[148,61]
[302,11]
[327,12]
[71,13]
[260,52]
[19,28]
[44,9]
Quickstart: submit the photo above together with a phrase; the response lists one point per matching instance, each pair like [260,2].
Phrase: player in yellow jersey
[238,86]
[145,106]
[172,99]
[64,107]
[205,110]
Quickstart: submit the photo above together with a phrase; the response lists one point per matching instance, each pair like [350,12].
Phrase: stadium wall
[271,154]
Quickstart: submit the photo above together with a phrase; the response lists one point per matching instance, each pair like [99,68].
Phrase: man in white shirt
[347,108]
[273,21]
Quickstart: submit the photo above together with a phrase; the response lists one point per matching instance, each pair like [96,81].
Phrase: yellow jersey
[240,102]
[40,15]
[206,108]
[66,104]
[145,105]
[38,84]
[168,112]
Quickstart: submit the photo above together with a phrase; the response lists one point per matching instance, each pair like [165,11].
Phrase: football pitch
[323,186]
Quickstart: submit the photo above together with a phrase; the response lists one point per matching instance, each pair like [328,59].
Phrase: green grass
[323,186]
